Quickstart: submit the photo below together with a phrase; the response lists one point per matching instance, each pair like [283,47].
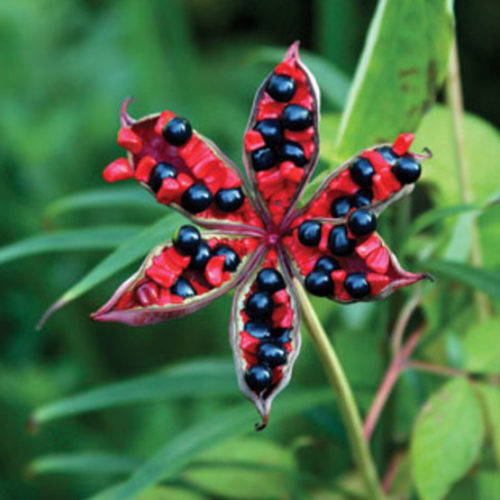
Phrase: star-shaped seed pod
[257,240]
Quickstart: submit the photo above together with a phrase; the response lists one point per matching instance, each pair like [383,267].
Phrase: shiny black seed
[270,280]
[259,377]
[200,257]
[362,222]
[296,117]
[259,305]
[196,199]
[187,239]
[356,285]
[319,282]
[177,131]
[406,170]
[292,151]
[271,130]
[310,233]
[161,171]
[389,155]
[340,206]
[281,87]
[363,198]
[327,264]
[281,335]
[362,172]
[263,159]
[272,353]
[229,200]
[258,329]
[339,243]
[182,288]
[232,260]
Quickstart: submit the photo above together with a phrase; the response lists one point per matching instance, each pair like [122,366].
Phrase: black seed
[389,155]
[232,260]
[177,131]
[362,222]
[281,87]
[292,151]
[363,198]
[327,264]
[356,285]
[296,117]
[319,283]
[200,257]
[281,335]
[229,200]
[263,159]
[182,288]
[258,329]
[309,233]
[259,377]
[362,172]
[259,305]
[406,170]
[270,280]
[161,171]
[272,354]
[340,206]
[271,130]
[196,199]
[339,243]
[187,239]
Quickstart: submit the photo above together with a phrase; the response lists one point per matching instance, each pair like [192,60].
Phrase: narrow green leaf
[333,82]
[482,347]
[125,254]
[96,463]
[94,238]
[114,197]
[490,395]
[399,72]
[197,378]
[446,439]
[170,493]
[186,446]
[482,279]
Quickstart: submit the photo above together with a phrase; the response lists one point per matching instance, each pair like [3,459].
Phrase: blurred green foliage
[66,68]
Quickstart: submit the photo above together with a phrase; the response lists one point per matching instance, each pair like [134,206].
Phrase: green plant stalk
[340,385]
[455,103]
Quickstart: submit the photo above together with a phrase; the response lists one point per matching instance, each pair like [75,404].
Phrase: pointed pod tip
[293,50]
[125,119]
[263,423]
[48,313]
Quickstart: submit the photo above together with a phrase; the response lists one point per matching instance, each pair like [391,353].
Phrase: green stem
[340,385]
[455,103]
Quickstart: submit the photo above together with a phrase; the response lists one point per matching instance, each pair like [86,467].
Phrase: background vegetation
[163,405]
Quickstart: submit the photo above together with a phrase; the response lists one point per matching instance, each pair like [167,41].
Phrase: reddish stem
[445,371]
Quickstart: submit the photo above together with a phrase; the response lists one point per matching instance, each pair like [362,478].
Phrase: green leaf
[172,458]
[333,82]
[482,140]
[114,197]
[482,347]
[399,72]
[482,279]
[95,238]
[490,395]
[170,493]
[125,254]
[446,439]
[197,378]
[97,463]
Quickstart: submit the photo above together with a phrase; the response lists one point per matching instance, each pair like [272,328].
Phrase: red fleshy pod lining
[196,162]
[282,317]
[370,257]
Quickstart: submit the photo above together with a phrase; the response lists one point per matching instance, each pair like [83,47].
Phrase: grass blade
[124,255]
[481,279]
[186,446]
[94,238]
[199,378]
